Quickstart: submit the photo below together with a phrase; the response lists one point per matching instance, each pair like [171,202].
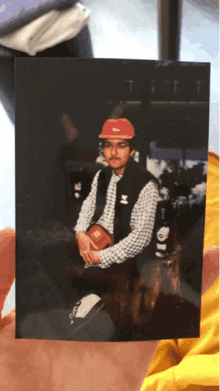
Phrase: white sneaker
[83,311]
[83,307]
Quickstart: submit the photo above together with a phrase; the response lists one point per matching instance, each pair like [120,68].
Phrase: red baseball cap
[117,128]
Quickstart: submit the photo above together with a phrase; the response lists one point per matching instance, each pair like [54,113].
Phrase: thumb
[212,251]
[93,244]
[7,263]
[210,266]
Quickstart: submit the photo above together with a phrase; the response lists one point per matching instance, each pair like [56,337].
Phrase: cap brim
[116,136]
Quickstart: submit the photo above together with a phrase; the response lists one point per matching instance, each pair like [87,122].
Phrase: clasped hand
[85,244]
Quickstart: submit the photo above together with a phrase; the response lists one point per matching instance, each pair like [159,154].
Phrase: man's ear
[132,152]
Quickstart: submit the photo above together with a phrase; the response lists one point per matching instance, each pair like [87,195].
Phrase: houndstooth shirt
[141,223]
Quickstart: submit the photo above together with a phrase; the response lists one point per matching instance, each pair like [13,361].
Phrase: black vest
[128,189]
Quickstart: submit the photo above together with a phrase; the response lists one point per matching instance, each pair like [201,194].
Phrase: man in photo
[123,200]
[122,204]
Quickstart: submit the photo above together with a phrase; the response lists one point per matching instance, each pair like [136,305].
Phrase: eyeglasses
[120,145]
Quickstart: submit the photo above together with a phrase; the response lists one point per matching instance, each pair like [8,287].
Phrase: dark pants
[66,268]
[95,278]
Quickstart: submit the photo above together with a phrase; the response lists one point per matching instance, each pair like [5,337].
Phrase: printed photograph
[111,166]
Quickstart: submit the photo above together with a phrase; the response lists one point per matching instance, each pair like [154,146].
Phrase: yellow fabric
[193,364]
[212,203]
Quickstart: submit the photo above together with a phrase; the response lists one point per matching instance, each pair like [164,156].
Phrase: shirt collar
[116,178]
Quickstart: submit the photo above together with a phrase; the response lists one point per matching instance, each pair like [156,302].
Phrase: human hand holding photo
[54,365]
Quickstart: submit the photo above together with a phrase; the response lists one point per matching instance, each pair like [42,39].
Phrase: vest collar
[118,177]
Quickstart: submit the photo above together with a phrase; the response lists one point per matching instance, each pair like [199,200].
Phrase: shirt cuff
[80,229]
[109,256]
[105,259]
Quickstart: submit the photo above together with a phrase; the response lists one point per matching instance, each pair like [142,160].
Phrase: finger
[210,266]
[95,260]
[91,257]
[212,251]
[7,263]
[93,244]
[86,256]
[82,254]
[211,256]
[83,257]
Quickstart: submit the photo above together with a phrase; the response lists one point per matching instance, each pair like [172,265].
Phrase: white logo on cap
[115,130]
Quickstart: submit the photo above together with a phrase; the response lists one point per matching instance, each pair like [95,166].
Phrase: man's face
[117,153]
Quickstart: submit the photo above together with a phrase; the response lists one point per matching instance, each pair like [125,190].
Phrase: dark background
[46,88]
[173,113]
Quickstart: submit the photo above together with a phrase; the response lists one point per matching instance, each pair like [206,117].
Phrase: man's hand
[92,257]
[84,244]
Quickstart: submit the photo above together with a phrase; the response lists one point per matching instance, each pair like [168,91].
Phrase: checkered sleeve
[88,208]
[142,224]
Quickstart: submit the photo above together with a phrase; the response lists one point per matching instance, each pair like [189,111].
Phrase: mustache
[115,158]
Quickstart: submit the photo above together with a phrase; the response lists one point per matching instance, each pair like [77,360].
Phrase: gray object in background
[15,15]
